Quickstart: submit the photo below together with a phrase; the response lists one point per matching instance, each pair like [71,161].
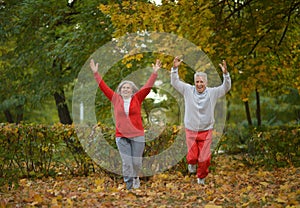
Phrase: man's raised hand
[224,67]
[177,61]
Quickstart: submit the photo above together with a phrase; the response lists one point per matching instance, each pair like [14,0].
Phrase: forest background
[44,45]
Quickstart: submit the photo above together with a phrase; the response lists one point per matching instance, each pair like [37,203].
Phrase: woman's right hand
[93,66]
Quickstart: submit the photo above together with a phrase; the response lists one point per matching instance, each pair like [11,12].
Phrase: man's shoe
[192,168]
[136,183]
[201,181]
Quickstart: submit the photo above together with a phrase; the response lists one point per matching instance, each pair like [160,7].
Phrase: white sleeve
[176,82]
[221,90]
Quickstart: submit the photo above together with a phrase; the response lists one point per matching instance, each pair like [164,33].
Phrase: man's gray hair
[134,87]
[201,74]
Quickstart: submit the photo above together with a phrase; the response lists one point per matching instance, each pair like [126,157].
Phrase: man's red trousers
[198,144]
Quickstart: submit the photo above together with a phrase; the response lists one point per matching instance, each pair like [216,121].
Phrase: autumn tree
[259,39]
[171,17]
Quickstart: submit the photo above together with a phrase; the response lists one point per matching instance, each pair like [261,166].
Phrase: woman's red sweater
[131,125]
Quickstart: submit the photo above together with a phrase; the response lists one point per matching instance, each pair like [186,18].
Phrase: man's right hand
[177,61]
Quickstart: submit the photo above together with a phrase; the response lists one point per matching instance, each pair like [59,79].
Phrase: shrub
[35,150]
[275,146]
[270,146]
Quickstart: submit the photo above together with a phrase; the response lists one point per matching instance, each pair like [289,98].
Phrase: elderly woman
[130,136]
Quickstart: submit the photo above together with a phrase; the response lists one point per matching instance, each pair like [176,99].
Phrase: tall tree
[261,43]
[257,38]
[172,17]
[187,19]
[13,84]
[52,40]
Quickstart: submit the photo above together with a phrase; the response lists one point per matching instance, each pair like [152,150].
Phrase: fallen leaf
[212,206]
[264,183]
[280,200]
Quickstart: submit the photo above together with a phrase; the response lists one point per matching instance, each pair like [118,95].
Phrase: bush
[270,146]
[35,150]
[235,138]
[275,146]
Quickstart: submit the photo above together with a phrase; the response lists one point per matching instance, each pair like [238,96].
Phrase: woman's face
[126,90]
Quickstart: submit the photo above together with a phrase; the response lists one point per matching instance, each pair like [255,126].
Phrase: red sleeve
[109,93]
[145,90]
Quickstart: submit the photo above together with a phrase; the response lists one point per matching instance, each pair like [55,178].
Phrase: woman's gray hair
[134,87]
[201,74]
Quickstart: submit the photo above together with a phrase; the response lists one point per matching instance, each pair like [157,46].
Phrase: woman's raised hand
[93,66]
[156,66]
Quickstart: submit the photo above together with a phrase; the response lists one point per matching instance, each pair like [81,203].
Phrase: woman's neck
[126,97]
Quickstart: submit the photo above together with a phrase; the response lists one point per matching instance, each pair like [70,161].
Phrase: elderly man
[200,102]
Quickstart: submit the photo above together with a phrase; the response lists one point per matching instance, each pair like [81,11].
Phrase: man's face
[200,84]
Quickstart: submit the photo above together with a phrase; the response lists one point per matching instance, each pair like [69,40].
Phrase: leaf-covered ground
[230,184]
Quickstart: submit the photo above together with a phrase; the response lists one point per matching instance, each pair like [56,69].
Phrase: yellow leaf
[131,196]
[209,191]
[186,179]
[249,188]
[245,99]
[284,187]
[212,206]
[54,201]
[170,185]
[39,134]
[70,202]
[98,189]
[245,204]
[129,65]
[163,176]
[99,182]
[37,198]
[23,182]
[264,183]
[281,200]
[139,56]
[81,189]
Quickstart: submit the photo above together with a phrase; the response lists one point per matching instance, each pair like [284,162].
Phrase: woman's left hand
[156,66]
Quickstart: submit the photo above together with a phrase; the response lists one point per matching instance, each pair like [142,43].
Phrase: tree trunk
[62,108]
[9,117]
[228,112]
[258,112]
[227,117]
[20,113]
[248,113]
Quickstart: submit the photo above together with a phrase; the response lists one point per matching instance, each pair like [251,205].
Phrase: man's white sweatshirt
[199,107]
